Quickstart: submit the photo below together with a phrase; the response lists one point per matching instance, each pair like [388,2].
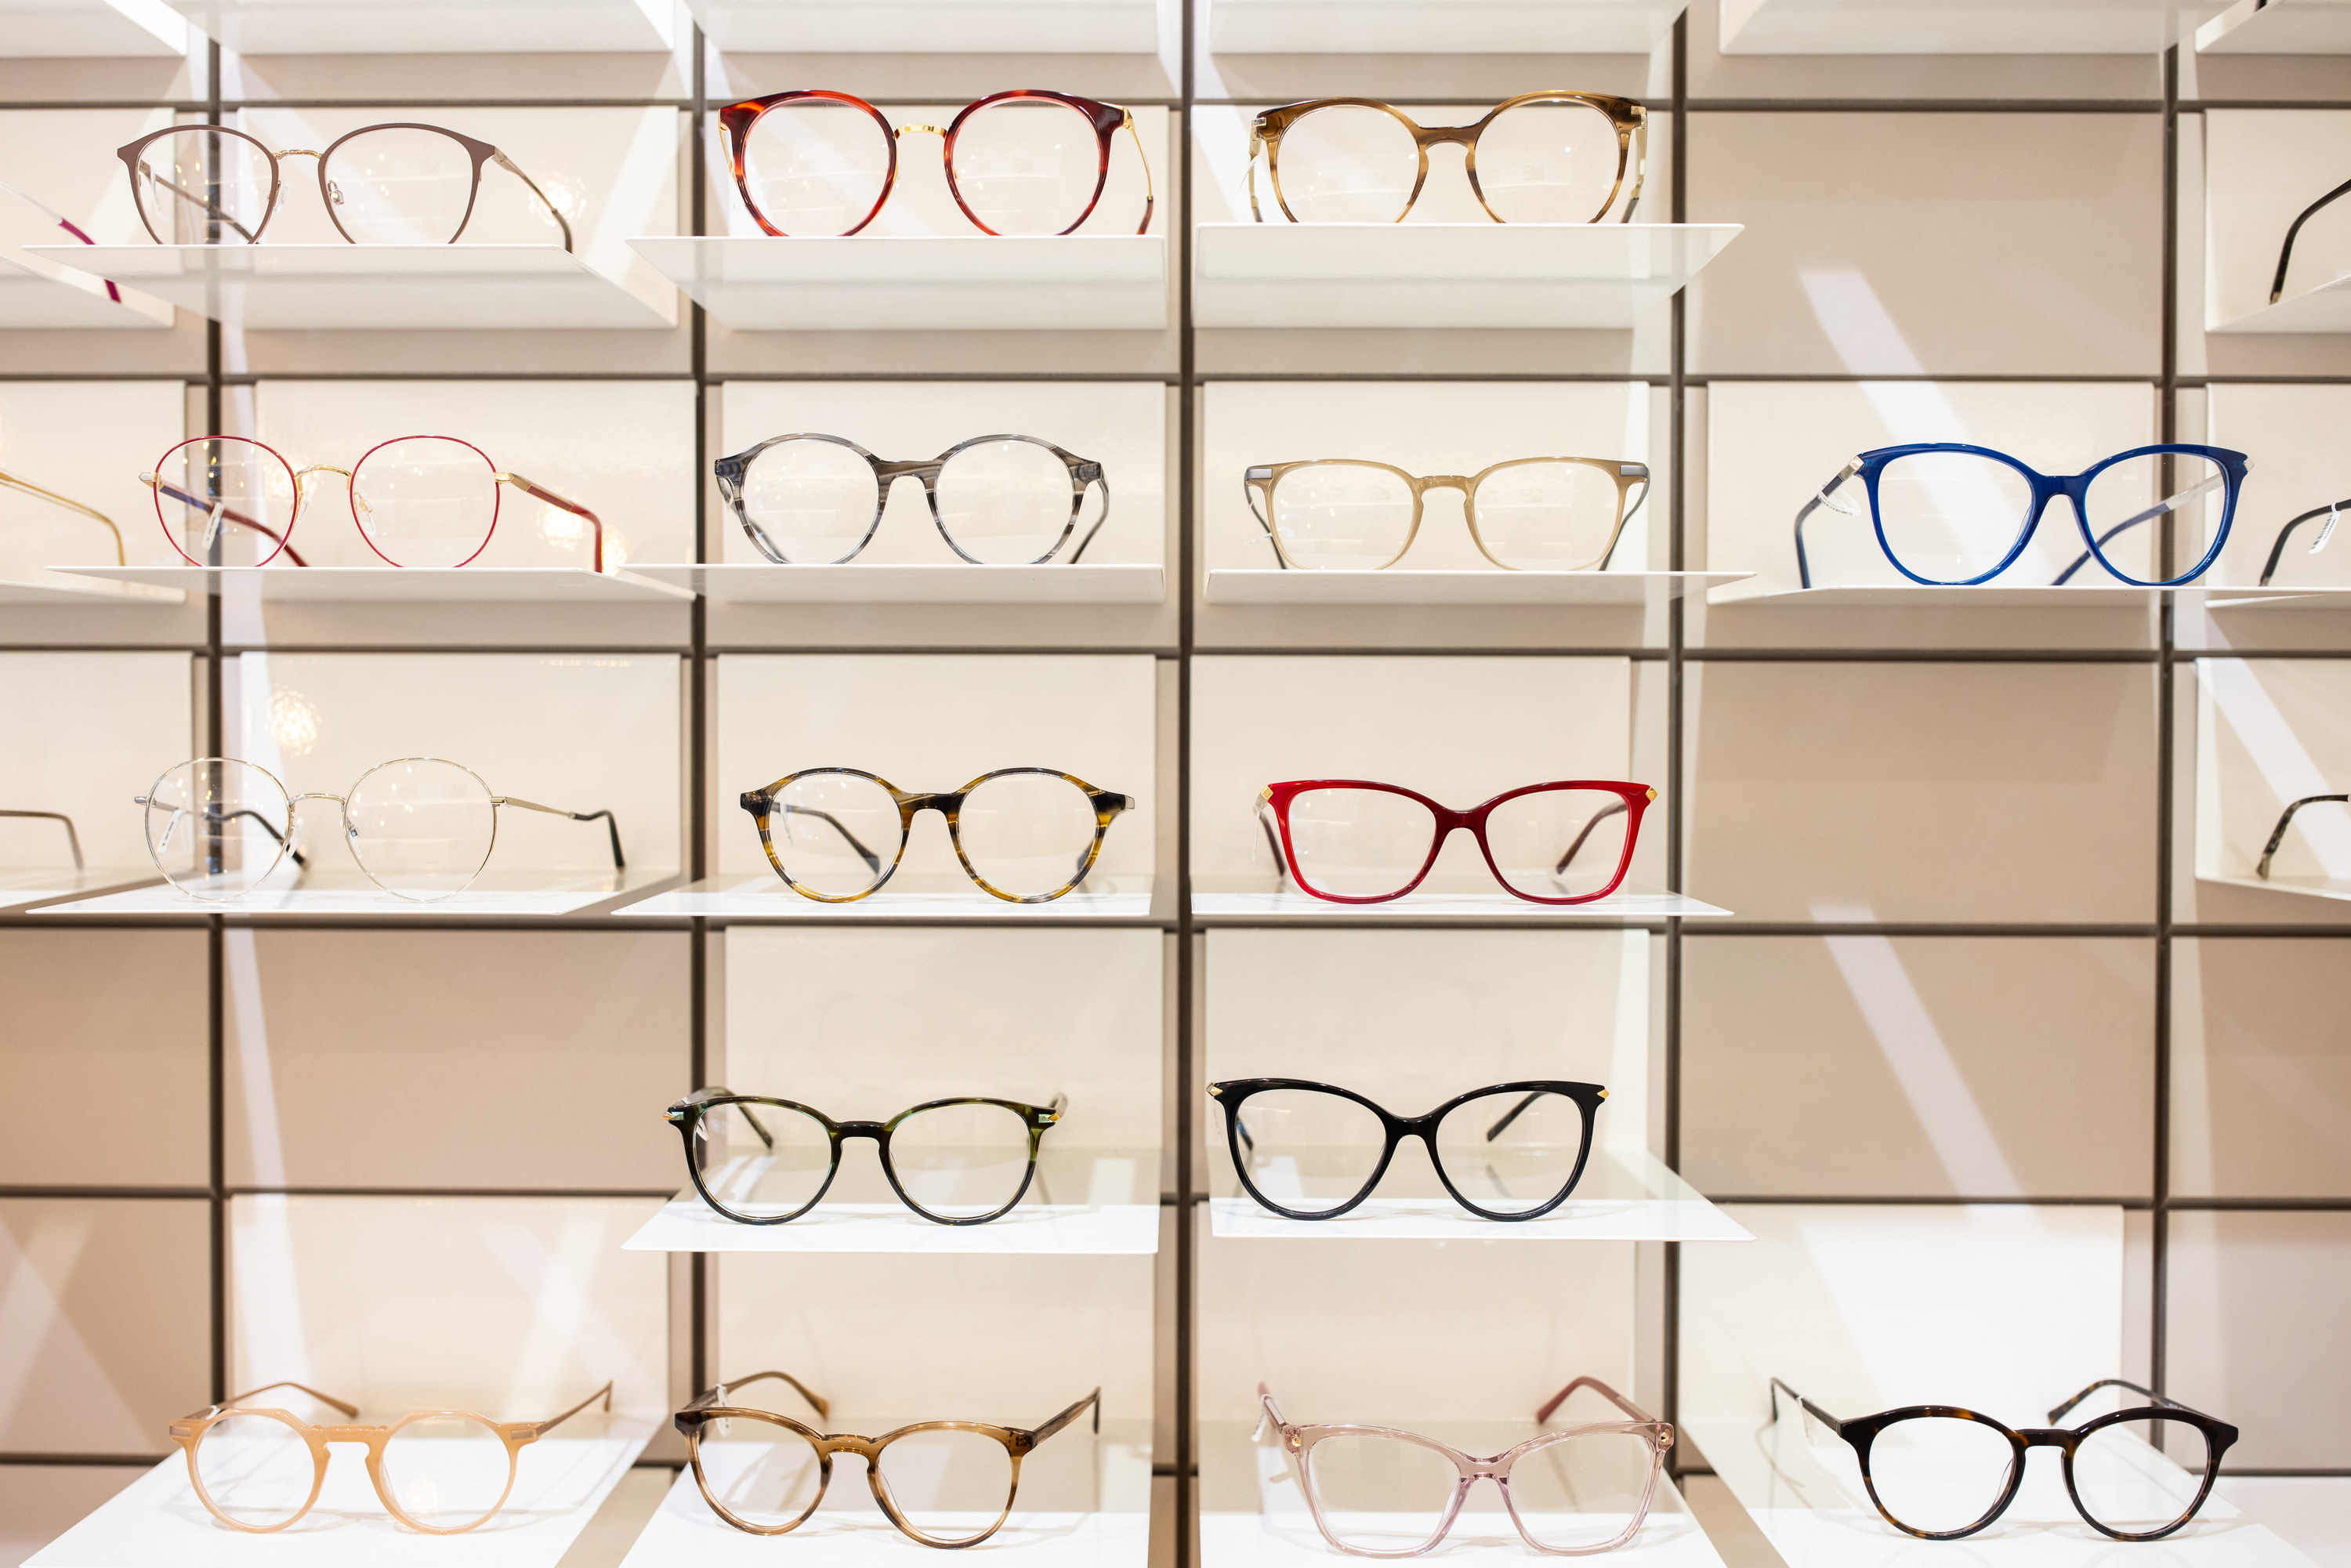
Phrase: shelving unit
[393,585]
[1958,27]
[689,1225]
[941,27]
[758,897]
[329,895]
[432,26]
[2278,27]
[1762,594]
[854,583]
[88,29]
[1244,585]
[71,592]
[1429,26]
[36,299]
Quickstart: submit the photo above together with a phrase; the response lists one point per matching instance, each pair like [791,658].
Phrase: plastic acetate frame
[1542,513]
[1355,840]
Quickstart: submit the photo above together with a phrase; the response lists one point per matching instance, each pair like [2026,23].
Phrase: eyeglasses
[1026,835]
[64,223]
[28,488]
[765,1473]
[762,1161]
[420,828]
[999,500]
[2332,512]
[2285,251]
[1952,514]
[2277,834]
[73,839]
[1538,514]
[417,500]
[1380,1491]
[1313,1150]
[1351,841]
[382,184]
[443,1472]
[1941,1472]
[818,162]
[1549,158]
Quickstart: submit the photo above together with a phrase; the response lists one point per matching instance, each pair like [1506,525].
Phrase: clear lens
[1546,516]
[425,500]
[837,832]
[1951,516]
[225,501]
[1512,1153]
[1358,844]
[257,1470]
[1006,503]
[446,1472]
[217,826]
[1938,1473]
[1347,165]
[762,1472]
[950,1486]
[2127,1485]
[817,167]
[759,1161]
[2128,503]
[1374,1493]
[402,185]
[817,501]
[1552,162]
[1559,843]
[960,1162]
[1028,166]
[422,828]
[1027,833]
[1307,1151]
[1583,1492]
[1342,514]
[203,185]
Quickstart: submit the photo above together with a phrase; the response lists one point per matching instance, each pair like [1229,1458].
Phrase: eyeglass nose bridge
[874,1129]
[922,131]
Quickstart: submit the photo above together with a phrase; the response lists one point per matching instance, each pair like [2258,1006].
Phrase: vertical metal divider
[216,926]
[1676,555]
[1186,1534]
[2166,804]
[697,692]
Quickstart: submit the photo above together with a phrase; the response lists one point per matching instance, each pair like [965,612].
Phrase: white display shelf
[2280,599]
[764,896]
[394,584]
[331,894]
[21,890]
[1958,27]
[1625,1196]
[558,1485]
[372,287]
[932,283]
[2297,886]
[1443,274]
[90,29]
[70,594]
[2325,308]
[1249,900]
[925,583]
[1229,585]
[32,298]
[1926,596]
[432,27]
[2278,27]
[1439,27]
[689,1225]
[932,26]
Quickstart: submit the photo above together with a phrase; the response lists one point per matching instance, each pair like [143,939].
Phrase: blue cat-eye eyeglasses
[1949,515]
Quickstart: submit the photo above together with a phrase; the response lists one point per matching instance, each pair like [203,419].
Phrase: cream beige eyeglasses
[1529,514]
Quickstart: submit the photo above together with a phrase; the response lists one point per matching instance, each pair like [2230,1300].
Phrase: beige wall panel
[1924,792]
[2256,1332]
[104,1328]
[38,1502]
[118,1010]
[2261,1070]
[1869,1067]
[548,1056]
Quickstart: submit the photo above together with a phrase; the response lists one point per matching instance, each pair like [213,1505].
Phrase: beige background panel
[2255,1321]
[2263,166]
[2271,732]
[88,442]
[2293,435]
[39,1502]
[104,1335]
[91,730]
[2261,1069]
[549,1056]
[1869,1066]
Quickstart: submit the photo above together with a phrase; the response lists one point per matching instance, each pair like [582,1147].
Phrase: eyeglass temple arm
[1821,498]
[1268,1411]
[1602,815]
[511,167]
[538,493]
[1250,478]
[1272,837]
[719,1394]
[157,483]
[704,1096]
[1817,1414]
[2285,251]
[29,488]
[1104,480]
[2149,1394]
[1640,168]
[611,823]
[1560,1398]
[2277,834]
[872,862]
[73,839]
[1610,554]
[2169,504]
[217,816]
[1066,1416]
[1150,192]
[64,223]
[2277,549]
[541,1429]
[209,207]
[327,1399]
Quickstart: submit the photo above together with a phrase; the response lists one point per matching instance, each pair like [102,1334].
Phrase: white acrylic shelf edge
[751,896]
[69,593]
[1965,27]
[30,299]
[932,26]
[2324,309]
[688,1224]
[1764,595]
[432,27]
[546,895]
[1439,27]
[1218,899]
[398,585]
[925,583]
[1272,585]
[2335,891]
[2278,27]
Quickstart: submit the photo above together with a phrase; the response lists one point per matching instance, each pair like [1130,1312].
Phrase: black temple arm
[2277,834]
[1833,1423]
[2277,548]
[2285,251]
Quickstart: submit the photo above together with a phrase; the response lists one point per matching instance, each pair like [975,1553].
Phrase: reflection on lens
[1546,516]
[2125,1484]
[1347,165]
[1005,503]
[2129,504]
[960,1162]
[762,1472]
[1308,1151]
[446,1472]
[225,501]
[257,1470]
[1951,516]
[1551,163]
[1027,833]
[216,828]
[950,1486]
[837,832]
[1938,1473]
[817,501]
[1027,166]
[816,167]
[1513,1152]
[400,185]
[1377,1493]
[1343,515]
[1560,843]
[425,500]
[761,1161]
[203,186]
[1358,844]
[422,828]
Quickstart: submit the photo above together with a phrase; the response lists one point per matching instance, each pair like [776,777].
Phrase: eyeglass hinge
[1089,471]
[1215,1093]
[757,801]
[1257,474]
[1633,470]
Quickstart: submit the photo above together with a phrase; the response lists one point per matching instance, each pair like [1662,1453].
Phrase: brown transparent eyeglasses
[258,1469]
[1553,157]
[765,1473]
[1541,514]
[27,486]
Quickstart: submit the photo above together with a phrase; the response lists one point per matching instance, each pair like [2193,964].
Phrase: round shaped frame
[478,151]
[1259,485]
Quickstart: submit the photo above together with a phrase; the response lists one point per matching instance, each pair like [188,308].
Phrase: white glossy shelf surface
[930,26]
[1443,274]
[1439,27]
[764,896]
[371,287]
[22,889]
[1258,898]
[1958,26]
[559,1482]
[88,29]
[2339,890]
[73,593]
[432,27]
[1624,1197]
[923,583]
[2281,597]
[331,894]
[2278,27]
[920,282]
[689,1225]
[30,299]
[2325,308]
[396,584]
[1927,596]
[1273,585]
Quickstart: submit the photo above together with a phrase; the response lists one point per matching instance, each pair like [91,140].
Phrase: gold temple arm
[29,488]
[327,1399]
[541,1429]
[511,167]
[1150,192]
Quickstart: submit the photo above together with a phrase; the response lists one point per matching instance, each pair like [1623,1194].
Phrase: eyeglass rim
[1261,481]
[1635,797]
